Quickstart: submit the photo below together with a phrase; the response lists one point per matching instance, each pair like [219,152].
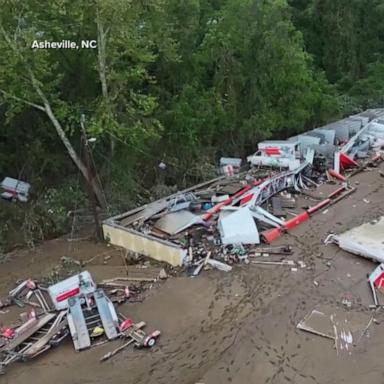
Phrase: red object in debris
[337,192]
[300,218]
[218,207]
[318,206]
[126,292]
[229,170]
[245,199]
[150,340]
[379,281]
[336,175]
[248,197]
[271,235]
[8,333]
[66,295]
[125,325]
[346,161]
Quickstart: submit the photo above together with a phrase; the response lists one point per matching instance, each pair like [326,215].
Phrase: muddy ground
[237,327]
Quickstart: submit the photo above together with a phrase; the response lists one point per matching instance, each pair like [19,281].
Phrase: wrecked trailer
[177,228]
[119,230]
[217,211]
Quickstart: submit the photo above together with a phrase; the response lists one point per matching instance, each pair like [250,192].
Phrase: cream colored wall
[143,245]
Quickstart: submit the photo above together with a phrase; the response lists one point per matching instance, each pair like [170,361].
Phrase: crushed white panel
[238,227]
[366,240]
[219,265]
[176,222]
[263,215]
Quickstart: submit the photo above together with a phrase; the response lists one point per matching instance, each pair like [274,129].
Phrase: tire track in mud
[216,335]
[232,321]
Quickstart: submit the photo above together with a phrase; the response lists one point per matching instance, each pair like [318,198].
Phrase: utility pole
[91,174]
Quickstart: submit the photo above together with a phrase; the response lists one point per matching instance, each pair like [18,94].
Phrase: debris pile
[200,227]
[75,306]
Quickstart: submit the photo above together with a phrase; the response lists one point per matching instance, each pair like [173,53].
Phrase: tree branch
[37,106]
[55,122]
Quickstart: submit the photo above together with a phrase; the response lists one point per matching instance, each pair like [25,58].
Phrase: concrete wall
[143,244]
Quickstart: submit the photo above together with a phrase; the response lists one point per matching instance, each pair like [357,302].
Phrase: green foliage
[55,204]
[42,218]
[47,216]
[251,79]
[368,92]
[179,81]
[345,38]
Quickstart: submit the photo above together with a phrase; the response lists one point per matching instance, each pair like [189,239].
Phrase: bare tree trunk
[46,107]
[71,151]
[101,35]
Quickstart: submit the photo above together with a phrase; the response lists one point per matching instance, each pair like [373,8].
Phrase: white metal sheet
[366,240]
[176,222]
[239,227]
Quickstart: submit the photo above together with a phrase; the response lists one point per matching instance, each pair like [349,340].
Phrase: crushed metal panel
[377,277]
[342,133]
[126,215]
[175,222]
[148,211]
[263,215]
[57,328]
[376,129]
[327,150]
[309,155]
[345,128]
[234,161]
[77,324]
[107,313]
[319,135]
[24,332]
[318,323]
[329,135]
[338,324]
[366,240]
[238,227]
[307,141]
[143,244]
[354,139]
